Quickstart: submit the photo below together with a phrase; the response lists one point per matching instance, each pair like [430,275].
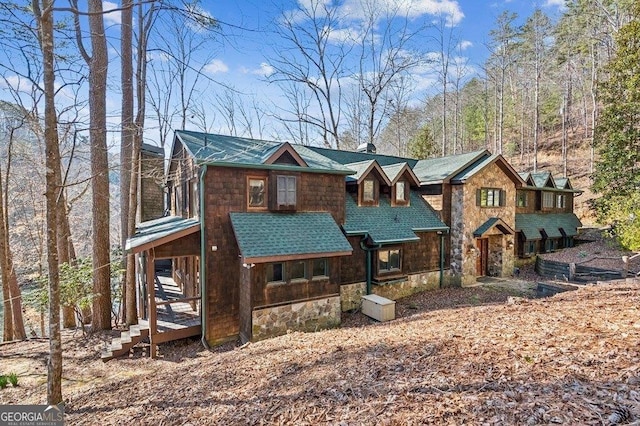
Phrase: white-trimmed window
[369,190]
[298,270]
[547,200]
[561,201]
[401,196]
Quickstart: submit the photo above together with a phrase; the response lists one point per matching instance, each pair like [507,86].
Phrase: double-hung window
[286,191]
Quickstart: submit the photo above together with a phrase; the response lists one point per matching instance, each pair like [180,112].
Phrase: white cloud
[265,70]
[113,17]
[344,35]
[554,3]
[216,66]
[464,45]
[16,83]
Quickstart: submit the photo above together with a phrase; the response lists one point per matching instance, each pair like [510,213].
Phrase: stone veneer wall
[311,315]
[351,294]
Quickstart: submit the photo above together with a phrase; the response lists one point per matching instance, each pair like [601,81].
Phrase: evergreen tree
[617,138]
[422,145]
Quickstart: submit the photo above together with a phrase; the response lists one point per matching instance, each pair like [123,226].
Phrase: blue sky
[241,59]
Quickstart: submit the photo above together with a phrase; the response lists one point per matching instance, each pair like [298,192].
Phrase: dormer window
[401,193]
[369,190]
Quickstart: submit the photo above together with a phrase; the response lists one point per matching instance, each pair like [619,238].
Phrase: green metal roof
[386,224]
[347,157]
[490,223]
[233,151]
[265,237]
[554,225]
[436,170]
[159,231]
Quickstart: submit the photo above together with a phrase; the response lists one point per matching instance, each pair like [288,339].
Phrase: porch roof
[156,232]
[270,237]
[490,223]
[386,224]
[553,225]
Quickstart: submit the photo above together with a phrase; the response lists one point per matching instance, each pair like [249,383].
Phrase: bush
[4,381]
[13,379]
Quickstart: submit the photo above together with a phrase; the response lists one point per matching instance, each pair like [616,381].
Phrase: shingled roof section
[159,231]
[233,151]
[386,224]
[437,170]
[269,237]
[553,225]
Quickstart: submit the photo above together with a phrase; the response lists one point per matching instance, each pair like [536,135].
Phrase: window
[530,247]
[320,268]
[388,261]
[257,193]
[286,189]
[490,197]
[550,245]
[521,199]
[369,190]
[547,200]
[298,270]
[401,195]
[561,201]
[275,272]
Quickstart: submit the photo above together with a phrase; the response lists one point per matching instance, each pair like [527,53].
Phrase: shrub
[4,381]
[13,379]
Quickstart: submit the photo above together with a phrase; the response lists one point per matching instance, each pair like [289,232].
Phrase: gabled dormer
[368,177]
[402,178]
[284,154]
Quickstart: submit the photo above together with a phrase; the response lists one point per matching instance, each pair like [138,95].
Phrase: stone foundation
[351,294]
[311,315]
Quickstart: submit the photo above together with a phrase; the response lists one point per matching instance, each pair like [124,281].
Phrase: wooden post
[572,271]
[151,292]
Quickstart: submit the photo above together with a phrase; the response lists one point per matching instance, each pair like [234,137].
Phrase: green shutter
[503,198]
[478,196]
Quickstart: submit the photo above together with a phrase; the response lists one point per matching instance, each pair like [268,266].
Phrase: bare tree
[385,57]
[97,62]
[43,13]
[312,57]
[446,39]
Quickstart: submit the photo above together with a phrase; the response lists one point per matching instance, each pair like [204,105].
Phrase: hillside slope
[573,358]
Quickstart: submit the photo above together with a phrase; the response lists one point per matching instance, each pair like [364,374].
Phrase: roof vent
[369,148]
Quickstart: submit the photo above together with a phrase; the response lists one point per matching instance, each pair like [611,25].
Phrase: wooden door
[482,261]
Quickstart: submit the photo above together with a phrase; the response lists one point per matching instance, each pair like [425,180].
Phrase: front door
[482,260]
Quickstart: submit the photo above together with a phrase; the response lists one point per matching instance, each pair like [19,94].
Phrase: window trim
[546,195]
[561,201]
[376,192]
[304,276]
[284,273]
[326,269]
[287,271]
[265,204]
[521,196]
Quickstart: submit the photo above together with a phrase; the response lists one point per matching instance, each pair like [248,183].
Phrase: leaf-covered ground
[571,359]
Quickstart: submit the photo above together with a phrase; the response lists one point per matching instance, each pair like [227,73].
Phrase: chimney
[368,148]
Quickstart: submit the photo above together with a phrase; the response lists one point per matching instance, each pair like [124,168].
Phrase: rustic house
[266,236]
[545,221]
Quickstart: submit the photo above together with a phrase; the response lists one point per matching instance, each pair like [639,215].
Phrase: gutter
[441,257]
[203,263]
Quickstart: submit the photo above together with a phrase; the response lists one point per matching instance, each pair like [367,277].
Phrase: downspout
[441,257]
[368,250]
[203,263]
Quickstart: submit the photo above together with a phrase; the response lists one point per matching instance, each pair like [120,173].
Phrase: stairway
[127,340]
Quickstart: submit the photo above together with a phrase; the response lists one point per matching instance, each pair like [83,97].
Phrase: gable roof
[483,162]
[386,224]
[364,168]
[543,180]
[563,183]
[395,171]
[442,169]
[269,237]
[492,222]
[233,151]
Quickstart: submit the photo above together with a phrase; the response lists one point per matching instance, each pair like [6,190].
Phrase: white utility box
[378,307]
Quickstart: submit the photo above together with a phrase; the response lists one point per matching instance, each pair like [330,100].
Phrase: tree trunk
[126,149]
[99,169]
[54,365]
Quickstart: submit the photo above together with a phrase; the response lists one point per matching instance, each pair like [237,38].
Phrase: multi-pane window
[561,201]
[275,272]
[286,189]
[530,247]
[490,197]
[369,190]
[320,268]
[388,261]
[550,245]
[521,199]
[401,196]
[547,200]
[257,195]
[298,270]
